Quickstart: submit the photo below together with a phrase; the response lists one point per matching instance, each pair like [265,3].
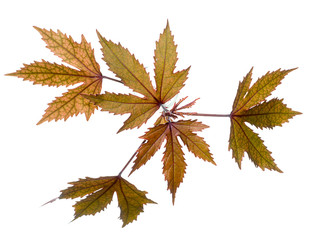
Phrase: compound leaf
[99,193]
[250,105]
[125,66]
[79,55]
[173,158]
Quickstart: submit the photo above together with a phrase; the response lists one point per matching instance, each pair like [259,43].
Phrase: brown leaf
[250,105]
[99,193]
[122,63]
[79,55]
[173,159]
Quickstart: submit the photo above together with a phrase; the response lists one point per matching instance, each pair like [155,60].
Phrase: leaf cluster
[250,106]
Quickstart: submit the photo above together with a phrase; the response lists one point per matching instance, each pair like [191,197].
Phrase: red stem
[205,114]
[112,79]
[144,141]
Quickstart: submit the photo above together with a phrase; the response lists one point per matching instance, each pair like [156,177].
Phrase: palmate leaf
[125,66]
[99,193]
[79,55]
[173,158]
[250,106]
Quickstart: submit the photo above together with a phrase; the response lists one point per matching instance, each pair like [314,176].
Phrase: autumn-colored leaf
[79,55]
[99,193]
[250,106]
[165,59]
[173,159]
[133,74]
[177,108]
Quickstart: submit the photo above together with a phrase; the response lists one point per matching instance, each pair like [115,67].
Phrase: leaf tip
[99,36]
[98,33]
[38,29]
[41,121]
[279,170]
[292,69]
[239,163]
[75,218]
[120,130]
[10,74]
[132,170]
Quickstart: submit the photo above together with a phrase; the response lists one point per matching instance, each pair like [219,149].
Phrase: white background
[221,40]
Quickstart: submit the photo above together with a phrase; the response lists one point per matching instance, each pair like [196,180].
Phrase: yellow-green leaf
[165,59]
[50,74]
[243,139]
[173,84]
[85,186]
[131,201]
[140,109]
[260,90]
[268,114]
[124,64]
[99,193]
[168,83]
[242,91]
[72,103]
[80,56]
[250,105]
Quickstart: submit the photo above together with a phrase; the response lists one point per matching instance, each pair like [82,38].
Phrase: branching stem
[135,153]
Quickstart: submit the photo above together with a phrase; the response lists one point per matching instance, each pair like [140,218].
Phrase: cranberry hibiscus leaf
[173,159]
[99,193]
[133,74]
[250,106]
[87,72]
